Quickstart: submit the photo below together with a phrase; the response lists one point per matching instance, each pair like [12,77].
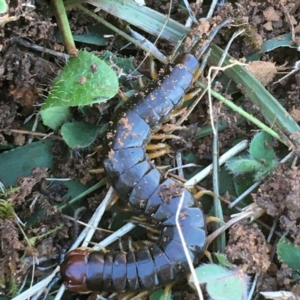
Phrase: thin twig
[28,132]
[33,46]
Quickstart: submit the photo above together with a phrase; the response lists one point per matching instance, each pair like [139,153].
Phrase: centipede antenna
[54,280]
[211,37]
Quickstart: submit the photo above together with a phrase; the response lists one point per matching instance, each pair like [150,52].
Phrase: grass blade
[143,17]
[270,108]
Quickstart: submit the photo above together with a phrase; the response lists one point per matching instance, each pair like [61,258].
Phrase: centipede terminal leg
[192,94]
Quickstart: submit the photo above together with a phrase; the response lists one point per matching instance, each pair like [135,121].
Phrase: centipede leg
[159,153]
[153,68]
[128,296]
[141,296]
[200,194]
[167,291]
[122,95]
[159,146]
[141,82]
[162,136]
[112,202]
[153,73]
[192,94]
[208,255]
[96,171]
[210,219]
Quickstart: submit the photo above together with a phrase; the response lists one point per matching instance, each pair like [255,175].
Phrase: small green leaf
[288,253]
[160,295]
[261,148]
[54,117]
[222,259]
[79,134]
[285,40]
[222,283]
[241,165]
[86,79]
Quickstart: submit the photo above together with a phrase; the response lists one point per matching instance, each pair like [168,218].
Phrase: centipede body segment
[138,181]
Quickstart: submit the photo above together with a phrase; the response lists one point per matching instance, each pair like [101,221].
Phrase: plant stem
[64,26]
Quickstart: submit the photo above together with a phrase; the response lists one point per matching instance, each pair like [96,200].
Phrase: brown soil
[26,76]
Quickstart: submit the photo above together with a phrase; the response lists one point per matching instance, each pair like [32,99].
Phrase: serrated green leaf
[243,165]
[261,173]
[231,288]
[241,184]
[222,283]
[209,272]
[160,295]
[85,80]
[288,253]
[54,117]
[261,148]
[79,134]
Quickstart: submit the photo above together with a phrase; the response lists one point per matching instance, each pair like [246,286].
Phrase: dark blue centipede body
[137,180]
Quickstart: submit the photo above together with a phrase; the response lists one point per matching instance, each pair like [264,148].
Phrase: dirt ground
[26,76]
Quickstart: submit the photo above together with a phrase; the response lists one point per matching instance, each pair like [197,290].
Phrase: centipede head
[74,269]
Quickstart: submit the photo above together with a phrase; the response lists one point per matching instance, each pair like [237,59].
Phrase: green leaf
[54,117]
[285,40]
[222,259]
[85,80]
[288,253]
[3,7]
[261,148]
[241,165]
[79,134]
[222,283]
[241,184]
[263,172]
[19,162]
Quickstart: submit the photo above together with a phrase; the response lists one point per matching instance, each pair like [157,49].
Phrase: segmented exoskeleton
[137,180]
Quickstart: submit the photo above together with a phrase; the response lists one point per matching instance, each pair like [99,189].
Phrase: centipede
[137,180]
